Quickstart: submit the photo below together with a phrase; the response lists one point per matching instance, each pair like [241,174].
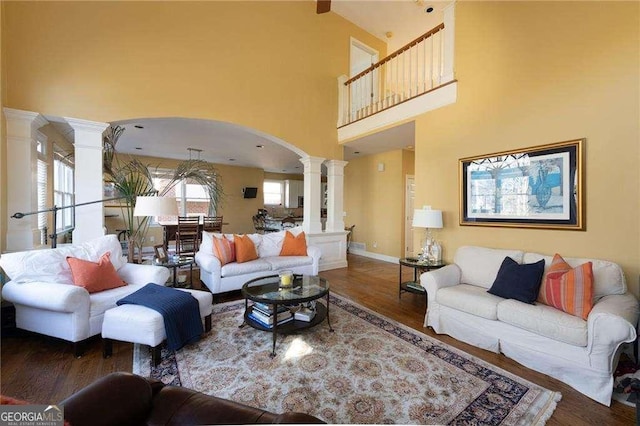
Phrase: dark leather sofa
[125,399]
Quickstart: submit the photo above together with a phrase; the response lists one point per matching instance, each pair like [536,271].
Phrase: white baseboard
[377,256]
[326,266]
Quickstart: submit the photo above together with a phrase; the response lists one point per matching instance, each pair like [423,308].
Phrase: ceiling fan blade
[323,6]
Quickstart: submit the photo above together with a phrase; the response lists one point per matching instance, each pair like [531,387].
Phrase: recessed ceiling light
[139,148]
[259,146]
[137,126]
[429,9]
[356,152]
[232,159]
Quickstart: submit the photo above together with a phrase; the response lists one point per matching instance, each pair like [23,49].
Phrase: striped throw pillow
[224,250]
[568,289]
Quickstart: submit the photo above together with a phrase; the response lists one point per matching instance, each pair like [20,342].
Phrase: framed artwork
[111,195]
[108,190]
[537,187]
[161,253]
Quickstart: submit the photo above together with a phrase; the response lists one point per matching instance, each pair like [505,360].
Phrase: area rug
[369,370]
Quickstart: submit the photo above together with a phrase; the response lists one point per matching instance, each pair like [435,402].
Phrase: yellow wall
[235,209]
[271,66]
[283,176]
[3,142]
[374,202]
[532,73]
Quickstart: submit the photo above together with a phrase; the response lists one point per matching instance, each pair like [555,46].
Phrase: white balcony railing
[411,71]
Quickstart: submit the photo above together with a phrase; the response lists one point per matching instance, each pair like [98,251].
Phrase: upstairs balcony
[414,79]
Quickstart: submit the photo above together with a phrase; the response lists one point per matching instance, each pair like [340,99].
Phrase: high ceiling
[405,20]
[225,143]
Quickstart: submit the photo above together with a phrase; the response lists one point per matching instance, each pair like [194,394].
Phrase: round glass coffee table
[269,297]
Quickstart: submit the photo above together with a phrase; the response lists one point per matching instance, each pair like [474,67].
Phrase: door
[410,188]
[364,91]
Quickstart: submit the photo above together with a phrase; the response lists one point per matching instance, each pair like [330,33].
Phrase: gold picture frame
[161,253]
[537,187]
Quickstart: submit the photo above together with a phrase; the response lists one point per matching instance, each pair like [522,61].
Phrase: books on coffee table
[416,286]
[268,320]
[305,314]
[268,309]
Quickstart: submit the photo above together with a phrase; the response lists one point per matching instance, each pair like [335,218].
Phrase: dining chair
[187,235]
[260,225]
[212,223]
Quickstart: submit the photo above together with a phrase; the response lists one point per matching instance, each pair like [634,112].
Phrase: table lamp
[428,219]
[155,206]
[147,206]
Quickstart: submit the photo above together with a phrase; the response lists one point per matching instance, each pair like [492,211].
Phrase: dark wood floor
[42,369]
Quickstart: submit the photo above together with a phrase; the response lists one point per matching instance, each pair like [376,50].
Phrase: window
[192,198]
[273,192]
[42,183]
[63,194]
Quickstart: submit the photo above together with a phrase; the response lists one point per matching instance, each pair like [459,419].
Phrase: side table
[418,266]
[175,264]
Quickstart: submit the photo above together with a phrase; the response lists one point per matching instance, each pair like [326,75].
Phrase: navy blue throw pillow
[519,282]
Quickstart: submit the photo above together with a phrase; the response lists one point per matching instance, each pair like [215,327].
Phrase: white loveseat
[46,301]
[232,276]
[581,353]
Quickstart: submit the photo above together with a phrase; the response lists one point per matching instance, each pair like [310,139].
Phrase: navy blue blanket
[179,309]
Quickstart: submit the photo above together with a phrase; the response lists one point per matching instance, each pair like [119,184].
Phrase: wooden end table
[417,265]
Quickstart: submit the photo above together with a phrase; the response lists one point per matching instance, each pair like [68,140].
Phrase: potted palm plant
[132,178]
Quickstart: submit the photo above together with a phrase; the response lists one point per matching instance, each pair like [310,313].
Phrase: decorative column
[312,174]
[335,197]
[89,219]
[22,194]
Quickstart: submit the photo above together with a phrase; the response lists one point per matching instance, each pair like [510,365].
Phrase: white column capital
[313,164]
[33,119]
[335,166]
[86,125]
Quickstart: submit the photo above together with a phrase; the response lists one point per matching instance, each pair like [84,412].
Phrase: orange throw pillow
[294,246]
[245,249]
[95,277]
[568,289]
[224,250]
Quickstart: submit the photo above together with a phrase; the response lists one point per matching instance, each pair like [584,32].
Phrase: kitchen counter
[276,222]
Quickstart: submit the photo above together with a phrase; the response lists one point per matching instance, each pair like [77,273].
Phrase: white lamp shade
[155,206]
[427,218]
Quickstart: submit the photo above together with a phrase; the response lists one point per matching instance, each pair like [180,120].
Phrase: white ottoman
[138,324]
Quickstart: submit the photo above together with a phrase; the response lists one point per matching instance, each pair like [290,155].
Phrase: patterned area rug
[370,370]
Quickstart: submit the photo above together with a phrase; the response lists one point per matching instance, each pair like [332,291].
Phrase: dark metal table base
[292,326]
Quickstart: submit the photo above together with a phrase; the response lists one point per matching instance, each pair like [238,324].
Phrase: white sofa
[46,301]
[581,353]
[232,276]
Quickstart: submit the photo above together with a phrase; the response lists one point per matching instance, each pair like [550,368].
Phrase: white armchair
[46,301]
